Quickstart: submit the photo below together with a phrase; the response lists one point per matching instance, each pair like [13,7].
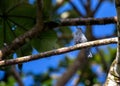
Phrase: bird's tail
[89,54]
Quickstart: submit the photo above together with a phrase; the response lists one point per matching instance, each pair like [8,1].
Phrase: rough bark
[113,78]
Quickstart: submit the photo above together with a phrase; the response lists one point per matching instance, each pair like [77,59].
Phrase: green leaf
[11,81]
[23,16]
[47,82]
[66,31]
[66,35]
[2,83]
[6,34]
[112,54]
[25,50]
[46,41]
[47,13]
[9,34]
[16,17]
[1,37]
[73,14]
[6,4]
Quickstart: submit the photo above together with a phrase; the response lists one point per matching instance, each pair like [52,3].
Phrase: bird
[79,37]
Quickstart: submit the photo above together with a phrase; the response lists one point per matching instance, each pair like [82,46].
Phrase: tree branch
[21,40]
[75,8]
[97,7]
[16,76]
[57,51]
[81,21]
[87,21]
[113,77]
[117,2]
[103,61]
[79,63]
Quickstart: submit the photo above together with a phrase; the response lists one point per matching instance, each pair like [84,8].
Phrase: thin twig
[75,8]
[103,61]
[98,6]
[57,51]
[16,76]
[82,3]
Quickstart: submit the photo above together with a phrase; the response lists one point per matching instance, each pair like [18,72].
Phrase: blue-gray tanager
[79,37]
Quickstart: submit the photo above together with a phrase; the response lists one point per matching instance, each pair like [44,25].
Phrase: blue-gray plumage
[79,37]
